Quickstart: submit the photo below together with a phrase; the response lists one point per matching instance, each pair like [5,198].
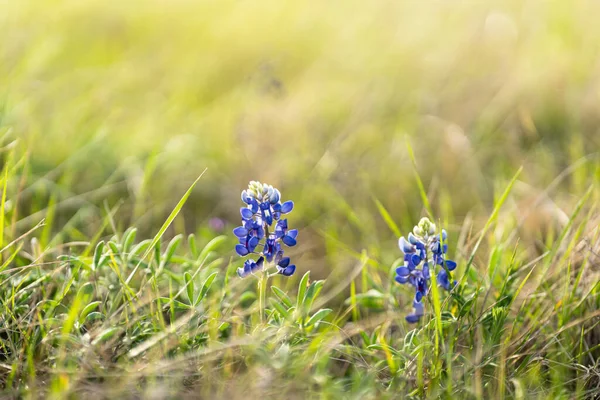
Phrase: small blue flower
[263,209]
[424,250]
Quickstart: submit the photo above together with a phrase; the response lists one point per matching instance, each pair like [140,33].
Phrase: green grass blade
[165,226]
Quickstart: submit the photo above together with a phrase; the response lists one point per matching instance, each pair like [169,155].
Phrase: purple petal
[403,271]
[401,279]
[293,233]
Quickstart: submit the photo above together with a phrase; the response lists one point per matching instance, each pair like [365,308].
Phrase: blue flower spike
[263,228]
[424,253]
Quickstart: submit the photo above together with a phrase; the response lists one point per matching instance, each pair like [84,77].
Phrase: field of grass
[129,129]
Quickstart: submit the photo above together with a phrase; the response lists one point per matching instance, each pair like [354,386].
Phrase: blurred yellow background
[132,100]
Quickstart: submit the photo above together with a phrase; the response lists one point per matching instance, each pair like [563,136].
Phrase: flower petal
[415,260]
[419,309]
[274,197]
[288,240]
[418,296]
[401,279]
[284,262]
[246,213]
[293,233]
[405,246]
[412,318]
[240,231]
[252,243]
[258,265]
[442,279]
[412,238]
[287,207]
[451,265]
[403,271]
[241,250]
[289,271]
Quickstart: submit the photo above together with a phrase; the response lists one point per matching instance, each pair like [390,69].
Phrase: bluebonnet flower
[263,210]
[425,249]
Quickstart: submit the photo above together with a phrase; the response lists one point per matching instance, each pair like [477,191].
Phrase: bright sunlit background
[112,108]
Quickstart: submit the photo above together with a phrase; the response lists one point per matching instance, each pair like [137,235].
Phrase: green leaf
[281,296]
[156,249]
[302,287]
[189,286]
[129,239]
[210,246]
[98,255]
[318,316]
[205,287]
[280,308]
[105,335]
[178,305]
[93,316]
[114,247]
[192,245]
[171,248]
[87,310]
[311,294]
[141,246]
[247,298]
[85,292]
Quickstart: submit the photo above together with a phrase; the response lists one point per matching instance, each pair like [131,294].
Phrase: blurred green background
[126,103]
